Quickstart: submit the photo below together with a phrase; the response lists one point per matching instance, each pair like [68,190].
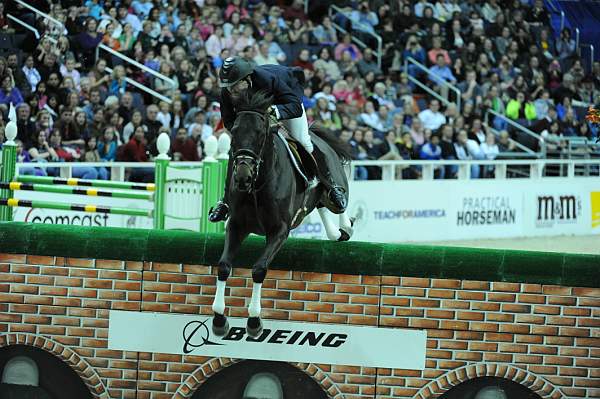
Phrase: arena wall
[529,317]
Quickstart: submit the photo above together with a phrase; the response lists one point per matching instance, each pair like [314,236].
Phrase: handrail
[144,88]
[577,41]
[591,46]
[519,127]
[562,20]
[378,38]
[43,14]
[449,86]
[135,63]
[25,25]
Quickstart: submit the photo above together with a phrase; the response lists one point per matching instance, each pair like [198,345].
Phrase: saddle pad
[294,156]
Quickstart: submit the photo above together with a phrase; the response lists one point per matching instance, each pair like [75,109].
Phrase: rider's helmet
[233,70]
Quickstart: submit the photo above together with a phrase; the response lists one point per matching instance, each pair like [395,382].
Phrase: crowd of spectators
[503,56]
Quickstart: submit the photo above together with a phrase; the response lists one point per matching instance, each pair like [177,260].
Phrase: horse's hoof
[220,325]
[344,236]
[254,326]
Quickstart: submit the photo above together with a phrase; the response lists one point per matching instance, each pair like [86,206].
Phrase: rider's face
[239,88]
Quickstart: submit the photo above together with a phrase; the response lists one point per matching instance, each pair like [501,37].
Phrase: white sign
[51,216]
[281,340]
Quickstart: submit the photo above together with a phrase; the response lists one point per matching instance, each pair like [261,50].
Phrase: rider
[239,77]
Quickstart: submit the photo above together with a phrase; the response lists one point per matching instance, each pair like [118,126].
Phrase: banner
[280,340]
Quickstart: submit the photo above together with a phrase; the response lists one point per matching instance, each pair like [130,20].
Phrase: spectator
[295,11]
[126,18]
[326,64]
[19,78]
[448,150]
[520,108]
[467,149]
[489,150]
[565,46]
[368,63]
[184,148]
[441,72]
[431,151]
[91,155]
[87,41]
[347,45]
[505,144]
[107,147]
[9,93]
[364,19]
[26,129]
[325,33]
[264,57]
[432,118]
[31,73]
[437,50]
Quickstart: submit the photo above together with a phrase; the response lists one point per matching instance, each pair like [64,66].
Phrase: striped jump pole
[13,202]
[91,192]
[122,185]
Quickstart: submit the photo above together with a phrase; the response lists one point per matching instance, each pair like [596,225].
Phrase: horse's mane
[259,101]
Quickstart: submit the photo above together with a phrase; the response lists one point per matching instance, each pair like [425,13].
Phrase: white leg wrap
[333,233]
[254,308]
[298,128]
[218,305]
[345,222]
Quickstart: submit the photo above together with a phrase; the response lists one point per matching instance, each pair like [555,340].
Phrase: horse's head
[250,135]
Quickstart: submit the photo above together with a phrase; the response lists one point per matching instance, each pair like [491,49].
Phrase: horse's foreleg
[346,227]
[333,232]
[233,241]
[259,272]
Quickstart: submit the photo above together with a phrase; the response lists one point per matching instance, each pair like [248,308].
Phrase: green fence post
[8,168]
[163,143]
[224,146]
[210,176]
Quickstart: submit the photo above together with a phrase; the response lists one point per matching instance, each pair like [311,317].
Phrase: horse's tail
[339,147]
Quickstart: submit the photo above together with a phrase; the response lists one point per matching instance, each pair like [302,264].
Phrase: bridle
[248,157]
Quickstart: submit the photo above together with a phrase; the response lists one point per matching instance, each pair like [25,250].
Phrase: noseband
[248,157]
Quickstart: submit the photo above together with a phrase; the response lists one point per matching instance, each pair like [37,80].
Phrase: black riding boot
[335,193]
[220,212]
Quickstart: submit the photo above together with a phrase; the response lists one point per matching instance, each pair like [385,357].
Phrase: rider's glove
[274,112]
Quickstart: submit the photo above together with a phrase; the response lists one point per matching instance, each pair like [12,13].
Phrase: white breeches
[298,128]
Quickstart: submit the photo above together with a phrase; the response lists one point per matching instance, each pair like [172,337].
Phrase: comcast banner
[280,340]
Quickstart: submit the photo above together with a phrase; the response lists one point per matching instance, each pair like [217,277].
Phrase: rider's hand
[273,112]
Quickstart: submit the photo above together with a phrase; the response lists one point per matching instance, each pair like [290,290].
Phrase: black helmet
[233,70]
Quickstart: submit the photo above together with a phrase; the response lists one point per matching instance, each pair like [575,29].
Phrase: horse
[268,197]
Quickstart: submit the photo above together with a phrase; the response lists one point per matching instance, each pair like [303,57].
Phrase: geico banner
[280,340]
[51,216]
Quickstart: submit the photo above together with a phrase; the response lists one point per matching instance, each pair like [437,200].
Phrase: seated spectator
[347,65]
[436,50]
[431,151]
[87,41]
[328,65]
[368,63]
[31,73]
[467,149]
[325,33]
[363,19]
[520,108]
[470,89]
[505,144]
[565,46]
[129,128]
[91,155]
[432,118]
[448,150]
[347,45]
[184,148]
[370,117]
[26,129]
[264,57]
[70,135]
[200,126]
[326,117]
[9,93]
[489,150]
[441,72]
[107,147]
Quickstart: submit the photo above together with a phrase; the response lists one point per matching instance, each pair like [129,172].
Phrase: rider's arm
[288,104]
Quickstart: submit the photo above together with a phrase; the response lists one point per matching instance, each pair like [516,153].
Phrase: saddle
[298,155]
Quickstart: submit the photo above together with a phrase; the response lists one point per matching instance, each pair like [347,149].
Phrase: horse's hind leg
[233,241]
[259,272]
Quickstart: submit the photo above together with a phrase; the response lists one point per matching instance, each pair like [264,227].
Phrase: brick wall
[545,337]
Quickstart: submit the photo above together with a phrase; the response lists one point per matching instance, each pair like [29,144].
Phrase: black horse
[268,197]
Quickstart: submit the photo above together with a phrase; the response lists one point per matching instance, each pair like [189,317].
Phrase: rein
[248,157]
